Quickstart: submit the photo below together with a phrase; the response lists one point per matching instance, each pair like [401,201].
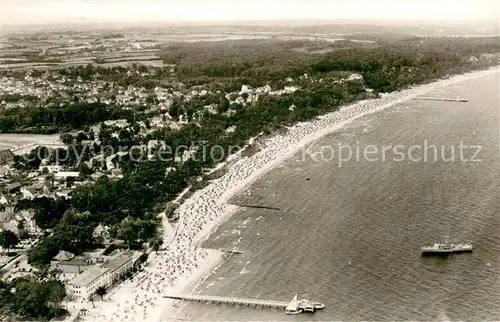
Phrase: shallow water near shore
[351,235]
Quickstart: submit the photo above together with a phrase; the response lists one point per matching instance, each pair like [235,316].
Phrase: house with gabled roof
[5,199]
[101,231]
[28,192]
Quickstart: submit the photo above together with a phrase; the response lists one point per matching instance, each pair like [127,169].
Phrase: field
[10,141]
[135,46]
[143,45]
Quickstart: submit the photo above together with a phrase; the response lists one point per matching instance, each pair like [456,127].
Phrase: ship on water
[446,248]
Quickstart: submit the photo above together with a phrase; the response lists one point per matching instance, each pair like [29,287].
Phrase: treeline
[256,60]
[394,61]
[7,97]
[119,74]
[54,119]
[389,69]
[29,299]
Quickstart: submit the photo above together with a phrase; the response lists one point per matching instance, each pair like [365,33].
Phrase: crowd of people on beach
[172,269]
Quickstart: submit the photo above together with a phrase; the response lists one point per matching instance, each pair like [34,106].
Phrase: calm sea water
[351,236]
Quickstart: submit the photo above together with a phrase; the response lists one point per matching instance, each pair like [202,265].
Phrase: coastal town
[106,187]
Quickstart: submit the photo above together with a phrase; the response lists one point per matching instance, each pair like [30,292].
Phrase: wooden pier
[445,99]
[229,301]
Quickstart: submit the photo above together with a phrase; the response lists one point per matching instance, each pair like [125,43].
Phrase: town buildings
[18,221]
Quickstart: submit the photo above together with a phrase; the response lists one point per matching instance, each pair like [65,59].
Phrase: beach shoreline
[184,265]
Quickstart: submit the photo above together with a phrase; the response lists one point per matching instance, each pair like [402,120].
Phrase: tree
[80,137]
[8,239]
[143,258]
[23,235]
[84,169]
[54,273]
[157,244]
[224,105]
[70,181]
[101,291]
[21,225]
[66,139]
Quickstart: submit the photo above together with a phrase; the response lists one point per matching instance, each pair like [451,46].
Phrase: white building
[50,168]
[354,77]
[122,123]
[66,174]
[121,265]
[84,285]
[5,200]
[28,193]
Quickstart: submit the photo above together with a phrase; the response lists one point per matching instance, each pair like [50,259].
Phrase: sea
[349,234]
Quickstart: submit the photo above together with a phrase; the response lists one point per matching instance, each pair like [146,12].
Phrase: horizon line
[258,22]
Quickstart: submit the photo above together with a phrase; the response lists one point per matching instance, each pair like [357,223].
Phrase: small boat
[446,248]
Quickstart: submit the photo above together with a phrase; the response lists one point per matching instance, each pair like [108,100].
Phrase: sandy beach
[182,264]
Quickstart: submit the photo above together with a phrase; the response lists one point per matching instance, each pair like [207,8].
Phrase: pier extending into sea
[229,300]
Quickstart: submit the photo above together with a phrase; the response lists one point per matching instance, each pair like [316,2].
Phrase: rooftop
[67,174]
[88,276]
[13,185]
[75,261]
[117,262]
[63,256]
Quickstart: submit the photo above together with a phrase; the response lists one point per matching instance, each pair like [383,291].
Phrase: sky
[74,11]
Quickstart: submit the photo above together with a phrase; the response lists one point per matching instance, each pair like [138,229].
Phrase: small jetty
[445,99]
[229,301]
